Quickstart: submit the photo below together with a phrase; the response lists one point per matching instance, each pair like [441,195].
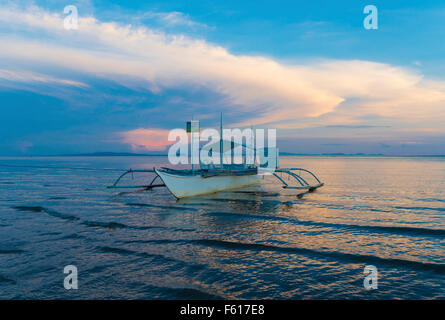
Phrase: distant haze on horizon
[134,70]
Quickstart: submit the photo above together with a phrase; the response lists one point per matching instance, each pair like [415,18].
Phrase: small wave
[349,208]
[29,209]
[73,236]
[369,228]
[262,202]
[127,252]
[6,280]
[258,193]
[184,229]
[99,224]
[50,212]
[428,199]
[185,293]
[157,241]
[117,250]
[106,225]
[372,209]
[421,208]
[160,206]
[407,230]
[38,270]
[157,258]
[11,251]
[98,269]
[245,216]
[55,233]
[439,268]
[116,225]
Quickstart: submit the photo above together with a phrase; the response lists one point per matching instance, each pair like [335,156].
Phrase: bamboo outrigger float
[210,179]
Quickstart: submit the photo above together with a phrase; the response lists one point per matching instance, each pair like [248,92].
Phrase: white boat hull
[187,186]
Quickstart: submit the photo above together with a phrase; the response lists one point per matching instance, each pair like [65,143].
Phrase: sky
[133,70]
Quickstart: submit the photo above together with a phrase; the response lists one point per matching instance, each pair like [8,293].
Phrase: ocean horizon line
[131,154]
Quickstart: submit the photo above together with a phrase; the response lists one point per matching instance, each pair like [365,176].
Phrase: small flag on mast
[193,126]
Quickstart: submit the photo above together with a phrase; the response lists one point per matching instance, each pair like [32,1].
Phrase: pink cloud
[146,139]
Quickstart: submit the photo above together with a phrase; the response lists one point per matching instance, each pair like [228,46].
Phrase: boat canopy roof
[227,145]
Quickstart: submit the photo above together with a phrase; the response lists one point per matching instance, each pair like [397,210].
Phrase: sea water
[261,242]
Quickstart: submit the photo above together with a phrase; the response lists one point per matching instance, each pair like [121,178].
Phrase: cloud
[314,93]
[146,139]
[339,126]
[31,77]
[173,18]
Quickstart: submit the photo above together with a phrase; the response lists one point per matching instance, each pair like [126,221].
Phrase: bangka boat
[211,178]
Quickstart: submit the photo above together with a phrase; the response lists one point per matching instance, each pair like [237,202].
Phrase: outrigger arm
[303,184]
[147,187]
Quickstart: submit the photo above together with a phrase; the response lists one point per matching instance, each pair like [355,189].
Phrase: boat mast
[254,145]
[192,144]
[193,129]
[221,142]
